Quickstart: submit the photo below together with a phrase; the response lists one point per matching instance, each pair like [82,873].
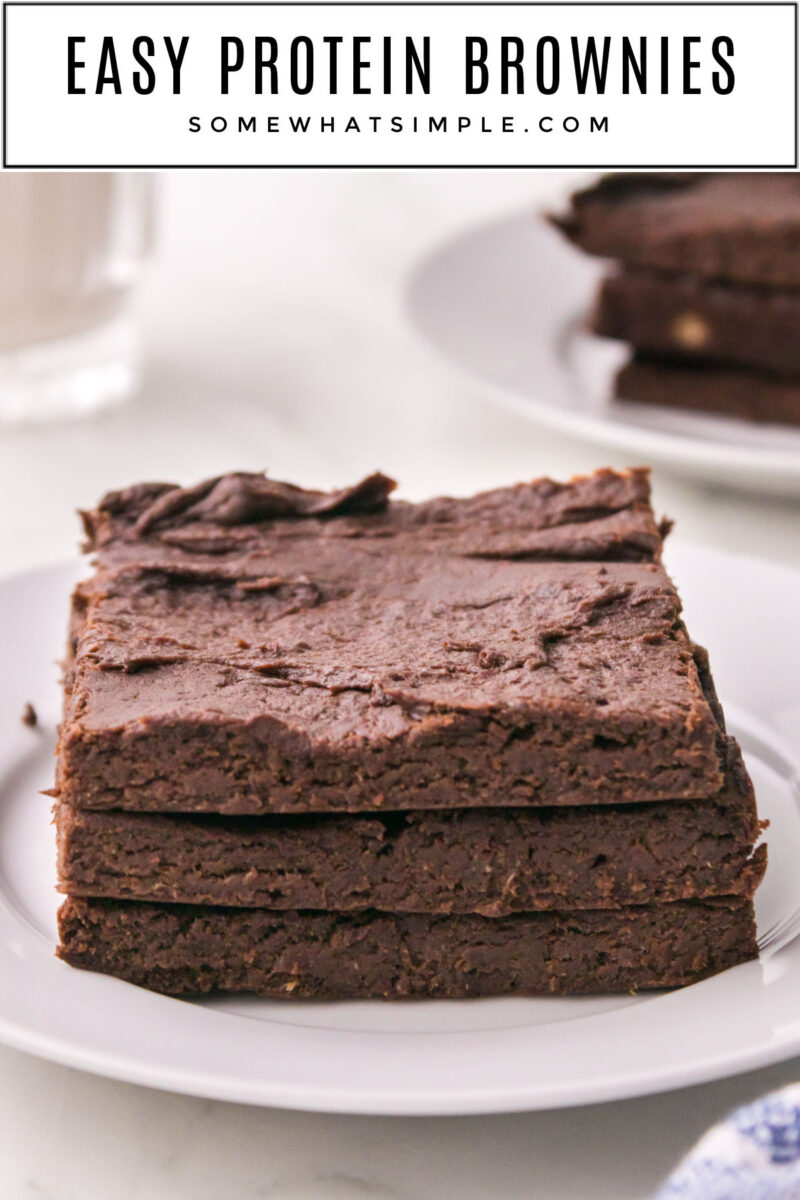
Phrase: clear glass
[72,249]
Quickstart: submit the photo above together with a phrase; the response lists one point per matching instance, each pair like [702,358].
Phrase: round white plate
[506,302]
[414,1056]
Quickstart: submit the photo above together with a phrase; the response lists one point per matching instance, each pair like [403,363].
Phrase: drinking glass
[73,245]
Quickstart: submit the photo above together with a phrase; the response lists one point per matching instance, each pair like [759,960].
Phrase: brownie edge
[184,950]
[715,390]
[463,861]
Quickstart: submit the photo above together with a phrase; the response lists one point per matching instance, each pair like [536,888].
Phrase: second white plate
[506,302]
[413,1057]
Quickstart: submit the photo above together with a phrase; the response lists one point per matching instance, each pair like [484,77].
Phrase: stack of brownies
[328,745]
[707,290]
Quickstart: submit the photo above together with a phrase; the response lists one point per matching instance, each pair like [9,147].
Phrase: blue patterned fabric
[753,1155]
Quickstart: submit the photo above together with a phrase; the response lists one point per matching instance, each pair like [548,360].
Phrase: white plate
[413,1057]
[506,303]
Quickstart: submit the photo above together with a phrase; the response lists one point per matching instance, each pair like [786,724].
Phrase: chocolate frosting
[235,499]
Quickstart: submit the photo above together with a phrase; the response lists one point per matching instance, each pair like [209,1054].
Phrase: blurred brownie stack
[706,290]
[331,745]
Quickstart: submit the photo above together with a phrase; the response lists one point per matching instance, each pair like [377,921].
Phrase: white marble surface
[276,338]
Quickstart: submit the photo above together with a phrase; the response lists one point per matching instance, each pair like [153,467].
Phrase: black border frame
[793,4]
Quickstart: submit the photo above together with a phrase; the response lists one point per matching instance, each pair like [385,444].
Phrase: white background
[753,126]
[276,337]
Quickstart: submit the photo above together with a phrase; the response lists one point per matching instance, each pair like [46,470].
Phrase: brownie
[685,317]
[741,228]
[718,390]
[248,647]
[463,861]
[187,950]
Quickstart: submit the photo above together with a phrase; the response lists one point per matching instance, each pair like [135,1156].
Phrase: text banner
[369,85]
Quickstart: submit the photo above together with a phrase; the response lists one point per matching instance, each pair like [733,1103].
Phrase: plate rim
[666,448]
[339,1100]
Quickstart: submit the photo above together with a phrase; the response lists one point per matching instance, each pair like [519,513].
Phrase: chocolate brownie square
[247,648]
[716,390]
[686,318]
[743,228]
[187,950]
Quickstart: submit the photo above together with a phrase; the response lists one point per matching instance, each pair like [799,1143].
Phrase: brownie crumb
[29,716]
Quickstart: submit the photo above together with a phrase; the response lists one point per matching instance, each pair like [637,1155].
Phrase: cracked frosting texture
[248,647]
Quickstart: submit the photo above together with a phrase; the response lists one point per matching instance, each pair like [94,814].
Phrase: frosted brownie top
[250,647]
